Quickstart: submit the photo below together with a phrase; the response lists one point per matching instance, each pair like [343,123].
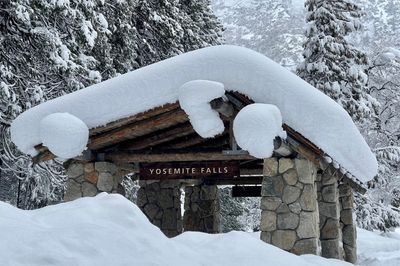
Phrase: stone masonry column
[329,215]
[160,202]
[202,209]
[289,218]
[87,179]
[349,233]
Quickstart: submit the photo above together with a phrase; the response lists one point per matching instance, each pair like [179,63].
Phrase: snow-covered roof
[303,108]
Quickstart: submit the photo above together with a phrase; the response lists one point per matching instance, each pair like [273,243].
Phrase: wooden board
[189,170]
[246,191]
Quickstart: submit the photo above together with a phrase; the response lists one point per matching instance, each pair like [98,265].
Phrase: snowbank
[255,128]
[304,108]
[110,230]
[65,135]
[194,98]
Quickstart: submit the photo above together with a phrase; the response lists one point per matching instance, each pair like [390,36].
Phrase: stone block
[75,170]
[105,182]
[330,193]
[266,237]
[268,221]
[166,198]
[285,164]
[151,210]
[73,190]
[169,220]
[305,246]
[208,192]
[305,171]
[290,194]
[105,167]
[290,177]
[270,167]
[283,208]
[331,249]
[330,210]
[349,236]
[88,189]
[346,216]
[347,202]
[287,221]
[272,187]
[283,239]
[308,225]
[141,199]
[92,177]
[330,229]
[88,167]
[350,254]
[295,207]
[270,203]
[345,190]
[328,178]
[308,198]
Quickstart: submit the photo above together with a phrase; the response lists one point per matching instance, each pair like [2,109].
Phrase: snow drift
[303,108]
[110,230]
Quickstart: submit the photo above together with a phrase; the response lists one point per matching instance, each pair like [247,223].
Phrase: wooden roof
[164,134]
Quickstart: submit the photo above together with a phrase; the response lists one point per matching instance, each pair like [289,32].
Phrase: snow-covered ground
[110,230]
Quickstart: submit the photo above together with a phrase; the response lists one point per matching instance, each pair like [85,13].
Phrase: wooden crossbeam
[138,129]
[129,157]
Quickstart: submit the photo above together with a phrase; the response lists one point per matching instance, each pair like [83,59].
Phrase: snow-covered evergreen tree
[331,63]
[49,48]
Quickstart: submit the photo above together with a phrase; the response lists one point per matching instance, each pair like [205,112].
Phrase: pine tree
[49,48]
[331,63]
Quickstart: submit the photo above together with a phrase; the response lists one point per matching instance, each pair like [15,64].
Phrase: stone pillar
[329,215]
[349,232]
[202,209]
[87,179]
[289,218]
[160,202]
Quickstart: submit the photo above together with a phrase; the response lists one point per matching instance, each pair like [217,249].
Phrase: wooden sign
[189,170]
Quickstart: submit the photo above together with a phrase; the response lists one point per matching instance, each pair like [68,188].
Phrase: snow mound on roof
[65,135]
[194,98]
[110,230]
[304,108]
[255,128]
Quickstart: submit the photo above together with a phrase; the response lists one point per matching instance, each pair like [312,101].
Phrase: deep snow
[110,230]
[303,107]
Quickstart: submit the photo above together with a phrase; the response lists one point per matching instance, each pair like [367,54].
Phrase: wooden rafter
[143,127]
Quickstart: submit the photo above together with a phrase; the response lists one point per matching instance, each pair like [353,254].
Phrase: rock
[270,203]
[88,167]
[285,164]
[295,207]
[208,192]
[349,235]
[305,246]
[169,220]
[308,198]
[346,216]
[105,182]
[283,208]
[330,193]
[347,202]
[287,221]
[329,210]
[266,237]
[345,190]
[328,178]
[330,229]
[283,239]
[290,194]
[290,177]
[89,190]
[270,167]
[141,198]
[308,225]
[331,249]
[75,170]
[272,186]
[350,254]
[92,177]
[105,167]
[305,170]
[166,198]
[73,190]
[268,221]
[151,210]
